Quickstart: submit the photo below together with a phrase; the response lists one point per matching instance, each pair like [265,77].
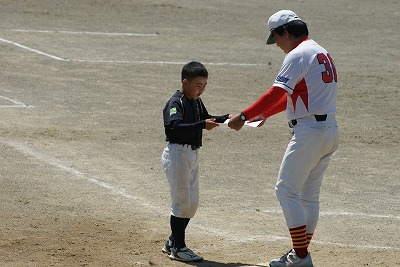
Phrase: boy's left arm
[218,119]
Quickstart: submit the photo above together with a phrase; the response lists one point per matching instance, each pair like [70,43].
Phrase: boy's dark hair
[192,70]
[297,28]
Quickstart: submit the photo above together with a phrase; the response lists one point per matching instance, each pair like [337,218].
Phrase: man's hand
[236,123]
[211,124]
[260,117]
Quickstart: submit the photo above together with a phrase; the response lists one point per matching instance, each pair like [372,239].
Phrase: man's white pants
[302,169]
[181,166]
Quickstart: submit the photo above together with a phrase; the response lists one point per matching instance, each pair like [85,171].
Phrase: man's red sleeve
[279,107]
[266,103]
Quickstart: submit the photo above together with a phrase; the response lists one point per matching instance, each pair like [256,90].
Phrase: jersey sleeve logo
[172,111]
[281,79]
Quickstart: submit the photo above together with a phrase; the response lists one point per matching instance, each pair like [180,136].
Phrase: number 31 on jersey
[329,75]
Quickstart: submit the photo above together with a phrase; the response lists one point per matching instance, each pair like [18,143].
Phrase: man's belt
[293,123]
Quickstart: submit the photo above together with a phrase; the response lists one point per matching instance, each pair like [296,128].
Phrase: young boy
[185,117]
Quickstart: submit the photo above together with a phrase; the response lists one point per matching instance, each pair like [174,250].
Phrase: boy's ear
[185,82]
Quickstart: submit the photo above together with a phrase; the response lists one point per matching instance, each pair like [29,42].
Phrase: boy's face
[193,89]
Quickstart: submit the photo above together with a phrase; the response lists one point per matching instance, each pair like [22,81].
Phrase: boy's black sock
[171,237]
[186,222]
[178,226]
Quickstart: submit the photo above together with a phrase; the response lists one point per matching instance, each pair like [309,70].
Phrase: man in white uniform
[306,87]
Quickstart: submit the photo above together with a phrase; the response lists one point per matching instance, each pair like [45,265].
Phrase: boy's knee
[186,211]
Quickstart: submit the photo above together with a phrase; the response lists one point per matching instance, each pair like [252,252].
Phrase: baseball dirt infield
[82,91]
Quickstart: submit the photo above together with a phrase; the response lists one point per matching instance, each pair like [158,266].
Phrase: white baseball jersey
[308,74]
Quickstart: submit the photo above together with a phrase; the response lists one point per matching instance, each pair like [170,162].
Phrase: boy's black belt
[193,147]
[293,123]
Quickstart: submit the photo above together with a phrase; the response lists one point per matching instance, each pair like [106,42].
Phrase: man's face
[282,41]
[195,87]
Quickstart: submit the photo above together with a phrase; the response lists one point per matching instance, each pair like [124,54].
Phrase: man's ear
[286,33]
[185,82]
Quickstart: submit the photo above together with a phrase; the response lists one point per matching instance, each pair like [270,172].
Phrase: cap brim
[270,40]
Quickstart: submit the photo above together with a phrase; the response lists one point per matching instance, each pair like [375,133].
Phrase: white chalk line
[126,61]
[168,62]
[122,34]
[32,50]
[14,106]
[60,165]
[16,103]
[344,213]
[117,190]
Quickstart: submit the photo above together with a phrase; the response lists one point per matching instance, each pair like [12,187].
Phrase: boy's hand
[210,124]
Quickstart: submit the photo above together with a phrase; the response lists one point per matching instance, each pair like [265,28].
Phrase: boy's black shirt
[184,120]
